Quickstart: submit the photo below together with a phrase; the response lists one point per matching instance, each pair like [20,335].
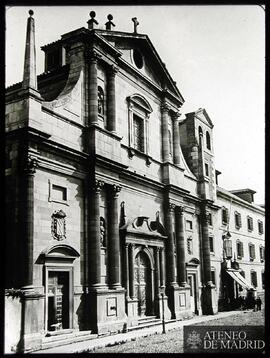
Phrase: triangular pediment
[132,46]
[202,115]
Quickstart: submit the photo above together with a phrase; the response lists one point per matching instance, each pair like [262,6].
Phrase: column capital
[165,108]
[171,207]
[98,185]
[93,56]
[30,165]
[112,71]
[180,210]
[176,115]
[116,190]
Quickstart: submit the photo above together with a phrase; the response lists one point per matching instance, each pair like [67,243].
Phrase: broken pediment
[142,224]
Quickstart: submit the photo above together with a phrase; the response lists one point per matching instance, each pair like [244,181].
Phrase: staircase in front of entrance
[66,336]
[147,321]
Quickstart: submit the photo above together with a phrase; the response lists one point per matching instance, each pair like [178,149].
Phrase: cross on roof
[136,23]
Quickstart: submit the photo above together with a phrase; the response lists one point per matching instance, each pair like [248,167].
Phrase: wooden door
[58,300]
[193,292]
[142,280]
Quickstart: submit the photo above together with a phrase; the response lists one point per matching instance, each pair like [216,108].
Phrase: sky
[216,54]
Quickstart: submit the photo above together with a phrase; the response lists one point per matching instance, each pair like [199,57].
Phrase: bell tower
[196,138]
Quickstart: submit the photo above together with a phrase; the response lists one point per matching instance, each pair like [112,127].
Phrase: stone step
[149,320]
[145,325]
[61,340]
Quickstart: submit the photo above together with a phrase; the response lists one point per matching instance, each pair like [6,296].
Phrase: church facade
[113,208]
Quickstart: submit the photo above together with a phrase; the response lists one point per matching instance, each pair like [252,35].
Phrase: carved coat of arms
[59,225]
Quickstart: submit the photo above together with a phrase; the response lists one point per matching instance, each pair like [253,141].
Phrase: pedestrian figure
[259,303]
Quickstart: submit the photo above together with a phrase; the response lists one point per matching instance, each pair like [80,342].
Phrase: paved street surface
[151,340]
[172,342]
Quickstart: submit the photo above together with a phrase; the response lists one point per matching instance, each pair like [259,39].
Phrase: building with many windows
[112,201]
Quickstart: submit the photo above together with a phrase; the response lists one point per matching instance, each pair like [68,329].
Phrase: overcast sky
[215,54]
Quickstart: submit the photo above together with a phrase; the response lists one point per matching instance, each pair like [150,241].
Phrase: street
[172,341]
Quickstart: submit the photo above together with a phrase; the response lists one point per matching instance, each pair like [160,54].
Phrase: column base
[32,320]
[106,309]
[209,300]
[179,302]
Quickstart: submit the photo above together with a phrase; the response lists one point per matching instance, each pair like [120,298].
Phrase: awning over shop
[236,275]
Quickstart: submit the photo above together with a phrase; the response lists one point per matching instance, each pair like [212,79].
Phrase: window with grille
[261,253]
[260,227]
[253,278]
[251,252]
[138,132]
[211,243]
[238,221]
[249,223]
[239,249]
[224,213]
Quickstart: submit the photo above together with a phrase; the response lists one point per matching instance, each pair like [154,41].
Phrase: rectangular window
[206,170]
[224,213]
[59,193]
[253,278]
[138,133]
[240,250]
[238,222]
[262,253]
[260,227]
[249,223]
[189,225]
[211,243]
[251,252]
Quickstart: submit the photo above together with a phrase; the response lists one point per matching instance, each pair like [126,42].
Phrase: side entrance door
[193,291]
[58,300]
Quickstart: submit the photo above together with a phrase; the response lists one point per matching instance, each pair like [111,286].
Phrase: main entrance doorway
[58,300]
[142,281]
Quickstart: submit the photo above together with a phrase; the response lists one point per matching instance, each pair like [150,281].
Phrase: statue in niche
[102,232]
[100,101]
[59,225]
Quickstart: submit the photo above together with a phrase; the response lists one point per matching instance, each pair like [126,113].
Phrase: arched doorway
[143,284]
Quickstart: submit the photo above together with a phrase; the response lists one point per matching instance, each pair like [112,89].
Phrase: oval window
[137,57]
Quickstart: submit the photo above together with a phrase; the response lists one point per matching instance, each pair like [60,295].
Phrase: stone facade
[110,194]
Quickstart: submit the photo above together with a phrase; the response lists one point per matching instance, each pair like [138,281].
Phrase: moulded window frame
[241,254]
[249,249]
[250,219]
[50,196]
[256,276]
[239,224]
[227,216]
[260,222]
[138,105]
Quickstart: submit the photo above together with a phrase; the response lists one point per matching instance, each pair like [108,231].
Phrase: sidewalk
[101,342]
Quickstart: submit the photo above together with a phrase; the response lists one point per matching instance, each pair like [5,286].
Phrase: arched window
[208,140]
[100,101]
[200,131]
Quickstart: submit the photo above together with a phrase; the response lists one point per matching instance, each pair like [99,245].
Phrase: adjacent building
[112,202]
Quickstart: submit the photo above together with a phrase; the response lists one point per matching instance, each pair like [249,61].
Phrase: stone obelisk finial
[29,72]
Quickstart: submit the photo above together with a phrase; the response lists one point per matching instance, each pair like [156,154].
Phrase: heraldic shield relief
[59,225]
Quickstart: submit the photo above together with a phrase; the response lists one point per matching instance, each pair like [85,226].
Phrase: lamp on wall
[227,243]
